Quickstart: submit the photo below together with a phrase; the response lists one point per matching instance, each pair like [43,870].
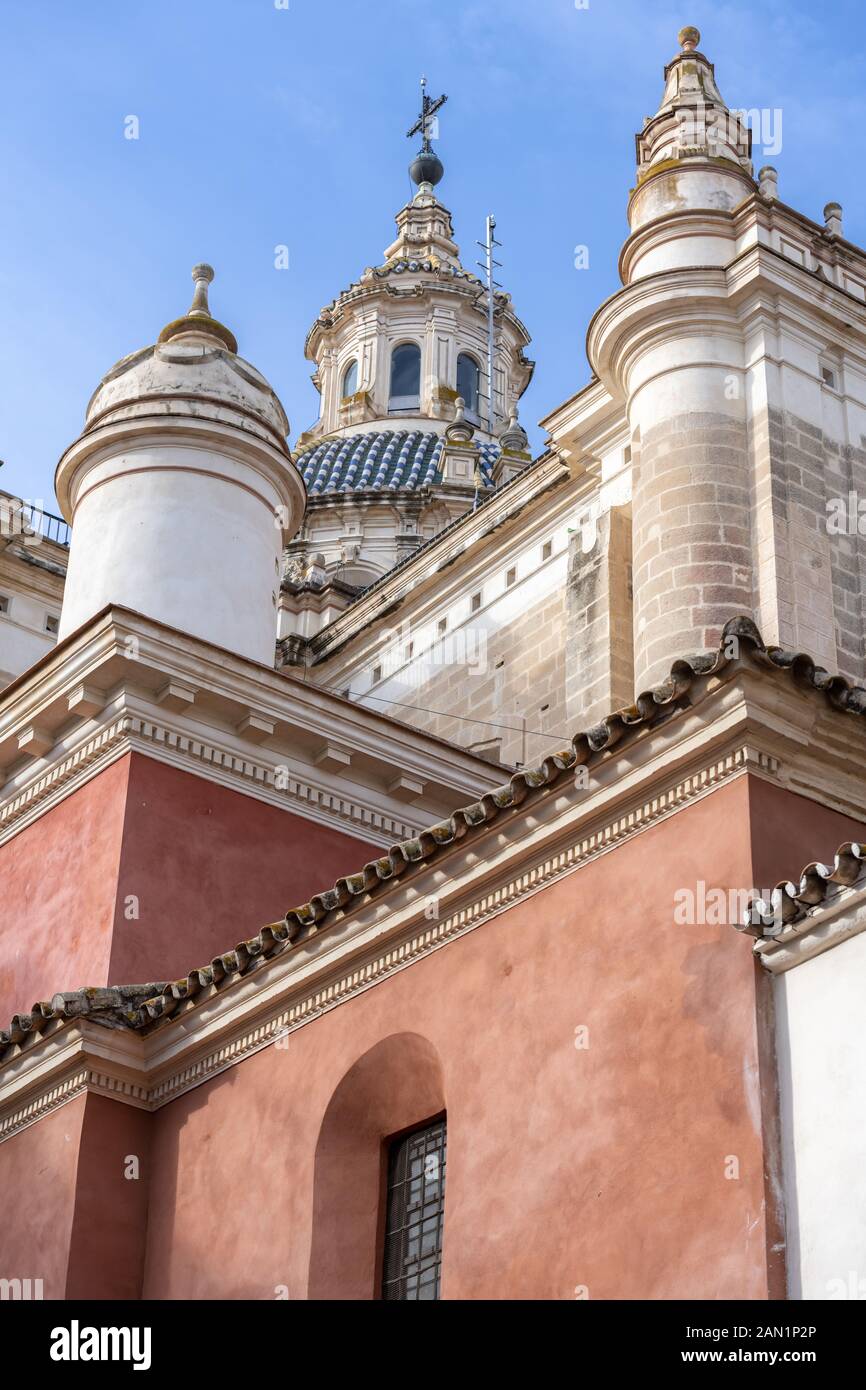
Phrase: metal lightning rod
[491,284]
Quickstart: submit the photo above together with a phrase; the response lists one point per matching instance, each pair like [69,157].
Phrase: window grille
[414,1215]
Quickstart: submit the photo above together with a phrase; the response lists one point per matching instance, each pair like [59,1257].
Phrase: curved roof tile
[790,904]
[382,461]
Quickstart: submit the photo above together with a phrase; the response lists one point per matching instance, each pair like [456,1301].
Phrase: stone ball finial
[689,38]
[202,276]
[514,439]
[460,430]
[833,218]
[768,183]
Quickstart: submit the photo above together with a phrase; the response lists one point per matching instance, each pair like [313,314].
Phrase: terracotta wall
[202,867]
[74,1206]
[111,1195]
[209,867]
[58,880]
[602,1167]
[38,1177]
[789,832]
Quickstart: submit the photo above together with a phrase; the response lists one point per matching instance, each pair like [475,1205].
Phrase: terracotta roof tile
[791,905]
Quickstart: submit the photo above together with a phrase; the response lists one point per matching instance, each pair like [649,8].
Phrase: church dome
[192,370]
[415,390]
[383,461]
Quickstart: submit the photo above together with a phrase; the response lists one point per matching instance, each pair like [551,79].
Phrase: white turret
[181,490]
[694,152]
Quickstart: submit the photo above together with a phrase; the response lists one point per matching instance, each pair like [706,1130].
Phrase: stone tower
[735,347]
[671,341]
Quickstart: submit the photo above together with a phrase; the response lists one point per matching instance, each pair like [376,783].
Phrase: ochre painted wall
[207,865]
[210,867]
[38,1177]
[58,881]
[602,1167]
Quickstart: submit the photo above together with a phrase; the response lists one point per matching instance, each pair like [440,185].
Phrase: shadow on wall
[395,1086]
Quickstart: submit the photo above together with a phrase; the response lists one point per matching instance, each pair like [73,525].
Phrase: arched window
[467,383]
[405,393]
[350,379]
[367,1241]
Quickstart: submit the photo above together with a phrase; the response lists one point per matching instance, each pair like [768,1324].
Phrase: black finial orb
[426,167]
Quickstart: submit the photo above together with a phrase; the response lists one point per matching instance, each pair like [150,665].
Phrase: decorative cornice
[660,304]
[133,734]
[42,1102]
[245,726]
[52,783]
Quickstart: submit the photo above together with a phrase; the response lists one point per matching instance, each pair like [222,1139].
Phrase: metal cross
[423,125]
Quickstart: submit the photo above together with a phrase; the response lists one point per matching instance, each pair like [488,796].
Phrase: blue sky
[262,126]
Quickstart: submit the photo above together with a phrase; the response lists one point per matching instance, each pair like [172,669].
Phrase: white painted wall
[181,534]
[821,1048]
[23,635]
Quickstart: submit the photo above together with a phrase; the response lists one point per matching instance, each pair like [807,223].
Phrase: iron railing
[46,524]
[30,519]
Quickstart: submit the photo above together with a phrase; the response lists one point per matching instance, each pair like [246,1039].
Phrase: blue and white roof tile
[388,461]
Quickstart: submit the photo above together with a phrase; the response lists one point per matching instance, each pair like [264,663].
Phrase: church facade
[446,864]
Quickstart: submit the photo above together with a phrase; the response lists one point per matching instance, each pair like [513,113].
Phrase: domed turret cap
[192,370]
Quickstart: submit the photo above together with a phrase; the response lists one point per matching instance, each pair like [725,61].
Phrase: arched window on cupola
[350,380]
[405,393]
[468,379]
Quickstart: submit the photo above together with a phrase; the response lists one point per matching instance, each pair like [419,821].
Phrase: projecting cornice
[763,253]
[124,683]
[820,909]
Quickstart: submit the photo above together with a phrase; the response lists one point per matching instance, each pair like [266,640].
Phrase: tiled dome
[391,459]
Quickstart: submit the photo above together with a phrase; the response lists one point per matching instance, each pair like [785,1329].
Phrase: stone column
[599,670]
[691,508]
